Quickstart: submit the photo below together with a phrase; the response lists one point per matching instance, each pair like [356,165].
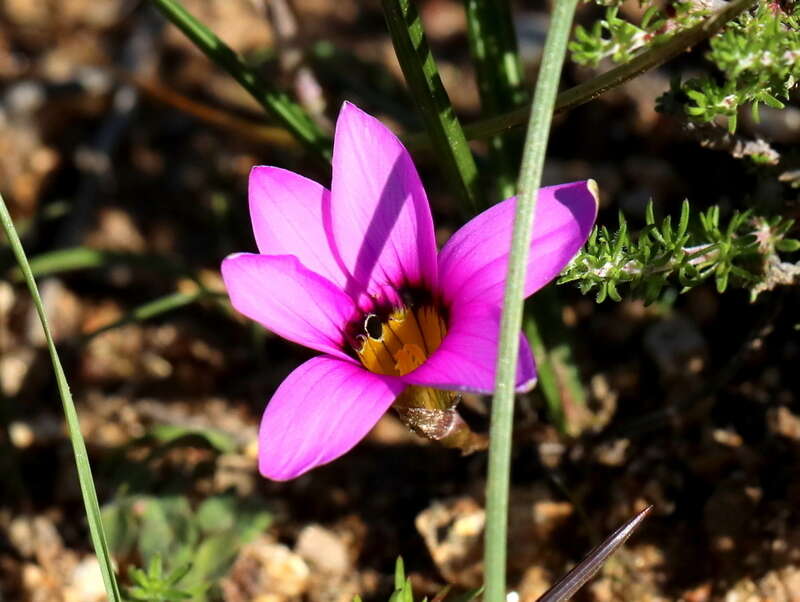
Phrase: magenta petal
[467,357]
[287,211]
[380,215]
[278,292]
[318,413]
[473,263]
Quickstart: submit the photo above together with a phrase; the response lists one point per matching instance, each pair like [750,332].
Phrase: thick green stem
[500,433]
[276,103]
[422,76]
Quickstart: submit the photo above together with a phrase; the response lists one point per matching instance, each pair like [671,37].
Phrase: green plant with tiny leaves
[757,58]
[744,252]
[618,39]
[157,586]
[754,61]
[197,546]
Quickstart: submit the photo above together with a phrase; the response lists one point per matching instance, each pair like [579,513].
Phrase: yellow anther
[405,340]
[409,357]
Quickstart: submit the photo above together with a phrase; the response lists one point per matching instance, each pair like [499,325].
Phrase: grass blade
[493,45]
[494,51]
[555,49]
[78,446]
[72,259]
[545,371]
[276,103]
[155,308]
[422,76]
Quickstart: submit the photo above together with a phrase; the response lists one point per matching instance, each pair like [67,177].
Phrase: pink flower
[353,273]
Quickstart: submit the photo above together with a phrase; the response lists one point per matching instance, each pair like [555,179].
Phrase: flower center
[401,342]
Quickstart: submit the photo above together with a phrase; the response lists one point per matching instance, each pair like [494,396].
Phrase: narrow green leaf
[216,514]
[551,342]
[666,230]
[84,258]
[722,280]
[276,103]
[621,237]
[408,592]
[119,525]
[399,573]
[211,558]
[156,534]
[139,593]
[613,293]
[545,372]
[155,568]
[649,213]
[155,308]
[788,245]
[172,433]
[422,76]
[493,45]
[756,113]
[683,223]
[85,479]
[503,402]
[602,292]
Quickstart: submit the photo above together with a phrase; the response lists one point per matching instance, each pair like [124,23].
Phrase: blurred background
[124,155]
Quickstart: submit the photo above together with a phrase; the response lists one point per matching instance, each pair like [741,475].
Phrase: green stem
[276,103]
[583,93]
[555,49]
[422,76]
[78,445]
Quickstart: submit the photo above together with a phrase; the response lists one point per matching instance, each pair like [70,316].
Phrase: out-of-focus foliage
[758,56]
[743,252]
[618,39]
[755,60]
[196,547]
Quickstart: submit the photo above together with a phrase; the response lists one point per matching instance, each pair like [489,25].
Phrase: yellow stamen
[409,357]
[403,342]
[400,345]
